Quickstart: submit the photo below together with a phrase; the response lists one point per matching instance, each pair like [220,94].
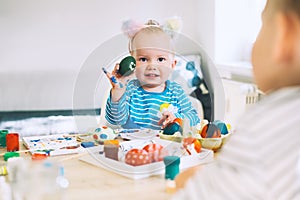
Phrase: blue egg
[222,126]
[172,128]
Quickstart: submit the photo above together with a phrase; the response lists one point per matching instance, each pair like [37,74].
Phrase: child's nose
[151,65]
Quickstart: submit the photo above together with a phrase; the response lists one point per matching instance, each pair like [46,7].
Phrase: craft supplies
[191,145]
[8,155]
[87,144]
[102,133]
[39,155]
[3,170]
[171,166]
[111,151]
[137,157]
[12,142]
[3,134]
[222,126]
[171,171]
[52,144]
[146,170]
[112,142]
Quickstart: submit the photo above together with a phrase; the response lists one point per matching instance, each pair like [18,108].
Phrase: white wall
[55,37]
[237,23]
[59,34]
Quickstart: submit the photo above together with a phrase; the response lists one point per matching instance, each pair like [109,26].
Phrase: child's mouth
[151,75]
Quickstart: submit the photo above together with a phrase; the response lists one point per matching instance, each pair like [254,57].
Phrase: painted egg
[191,145]
[136,157]
[210,130]
[127,66]
[173,127]
[222,126]
[155,152]
[103,133]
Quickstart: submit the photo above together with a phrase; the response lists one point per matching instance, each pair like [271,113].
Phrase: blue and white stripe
[141,108]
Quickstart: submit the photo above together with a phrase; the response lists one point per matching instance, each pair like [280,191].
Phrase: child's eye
[142,59]
[161,59]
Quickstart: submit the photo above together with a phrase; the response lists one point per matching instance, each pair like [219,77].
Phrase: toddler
[150,100]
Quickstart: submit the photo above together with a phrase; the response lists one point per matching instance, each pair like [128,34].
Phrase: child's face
[154,62]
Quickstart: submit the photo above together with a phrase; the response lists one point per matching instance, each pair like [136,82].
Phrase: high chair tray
[147,170]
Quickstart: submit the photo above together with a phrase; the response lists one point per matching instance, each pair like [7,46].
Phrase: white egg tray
[147,170]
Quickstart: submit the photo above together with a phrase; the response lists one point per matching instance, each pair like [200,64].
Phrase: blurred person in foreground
[262,159]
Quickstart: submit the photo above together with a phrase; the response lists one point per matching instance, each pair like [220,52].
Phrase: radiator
[250,94]
[239,98]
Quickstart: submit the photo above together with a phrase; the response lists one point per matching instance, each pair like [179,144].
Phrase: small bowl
[211,143]
[214,143]
[173,138]
[225,138]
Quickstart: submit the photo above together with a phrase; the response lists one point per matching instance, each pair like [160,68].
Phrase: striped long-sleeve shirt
[261,160]
[138,108]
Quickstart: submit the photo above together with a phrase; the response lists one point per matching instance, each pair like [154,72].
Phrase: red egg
[155,152]
[136,157]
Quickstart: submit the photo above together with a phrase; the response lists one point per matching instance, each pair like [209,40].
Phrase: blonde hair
[151,26]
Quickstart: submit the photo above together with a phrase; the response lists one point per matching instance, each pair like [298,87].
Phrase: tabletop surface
[91,182]
[87,181]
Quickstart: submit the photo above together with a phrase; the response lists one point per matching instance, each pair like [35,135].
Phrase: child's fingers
[111,78]
[115,71]
[162,119]
[166,119]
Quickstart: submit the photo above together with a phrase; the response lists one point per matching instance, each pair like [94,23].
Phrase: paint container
[3,170]
[3,134]
[12,142]
[171,171]
[111,151]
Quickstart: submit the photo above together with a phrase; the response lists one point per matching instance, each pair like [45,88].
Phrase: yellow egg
[164,106]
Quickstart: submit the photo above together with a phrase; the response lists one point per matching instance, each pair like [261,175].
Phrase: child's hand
[117,81]
[167,118]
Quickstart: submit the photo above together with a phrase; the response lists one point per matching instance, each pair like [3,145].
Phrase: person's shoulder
[174,86]
[133,84]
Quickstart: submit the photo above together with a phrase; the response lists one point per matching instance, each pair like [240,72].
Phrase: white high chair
[106,53]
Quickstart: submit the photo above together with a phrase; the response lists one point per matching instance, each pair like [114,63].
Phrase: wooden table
[91,182]
[88,182]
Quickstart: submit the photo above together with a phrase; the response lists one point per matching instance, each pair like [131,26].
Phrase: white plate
[144,171]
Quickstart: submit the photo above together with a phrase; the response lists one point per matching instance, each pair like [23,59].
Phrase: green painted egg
[127,66]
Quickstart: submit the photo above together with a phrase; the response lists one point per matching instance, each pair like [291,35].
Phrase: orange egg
[190,142]
[178,120]
[210,131]
[136,157]
[155,152]
[152,147]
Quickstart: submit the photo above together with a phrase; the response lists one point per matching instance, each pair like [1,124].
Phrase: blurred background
[45,44]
